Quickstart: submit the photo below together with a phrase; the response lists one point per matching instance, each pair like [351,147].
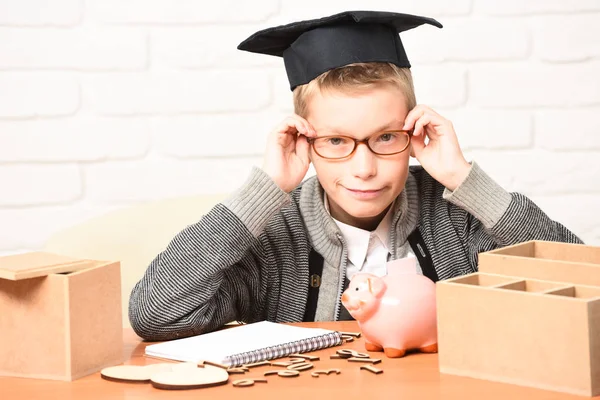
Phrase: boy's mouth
[365,194]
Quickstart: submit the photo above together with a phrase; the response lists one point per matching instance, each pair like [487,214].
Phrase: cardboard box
[530,316]
[60,318]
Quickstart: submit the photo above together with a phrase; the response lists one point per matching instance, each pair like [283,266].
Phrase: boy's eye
[386,137]
[336,141]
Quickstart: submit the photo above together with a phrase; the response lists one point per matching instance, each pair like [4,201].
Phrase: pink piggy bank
[396,312]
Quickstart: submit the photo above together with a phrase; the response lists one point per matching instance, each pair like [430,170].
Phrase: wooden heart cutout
[141,373]
[133,373]
[190,378]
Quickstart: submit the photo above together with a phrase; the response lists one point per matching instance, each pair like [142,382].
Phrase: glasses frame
[408,133]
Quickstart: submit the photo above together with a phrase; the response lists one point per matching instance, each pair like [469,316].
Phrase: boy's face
[360,188]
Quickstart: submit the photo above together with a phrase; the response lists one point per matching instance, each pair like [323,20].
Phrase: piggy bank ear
[376,286]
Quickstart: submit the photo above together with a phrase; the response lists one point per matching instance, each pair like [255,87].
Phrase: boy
[284,250]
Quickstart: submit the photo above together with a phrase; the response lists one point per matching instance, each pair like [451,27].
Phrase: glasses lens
[341,146]
[333,146]
[389,142]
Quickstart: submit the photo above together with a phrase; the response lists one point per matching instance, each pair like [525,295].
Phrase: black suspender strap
[418,246]
[344,314]
[315,271]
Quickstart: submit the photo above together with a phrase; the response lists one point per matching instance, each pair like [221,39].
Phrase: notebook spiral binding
[282,350]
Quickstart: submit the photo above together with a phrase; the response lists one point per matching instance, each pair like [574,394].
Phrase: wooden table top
[415,376]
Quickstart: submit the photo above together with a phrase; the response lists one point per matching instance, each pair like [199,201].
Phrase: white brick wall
[132,181]
[38,94]
[111,102]
[533,84]
[162,12]
[81,138]
[567,38]
[177,92]
[79,49]
[568,129]
[178,48]
[40,12]
[441,86]
[174,134]
[533,7]
[28,185]
[469,39]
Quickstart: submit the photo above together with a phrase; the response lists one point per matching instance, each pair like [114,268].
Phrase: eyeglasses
[384,144]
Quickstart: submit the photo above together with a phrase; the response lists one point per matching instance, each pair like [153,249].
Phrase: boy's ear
[412,151]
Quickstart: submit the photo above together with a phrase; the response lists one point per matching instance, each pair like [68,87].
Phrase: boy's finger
[417,113]
[429,110]
[308,129]
[292,126]
[418,144]
[412,117]
[302,149]
[420,125]
[285,126]
[311,129]
[298,122]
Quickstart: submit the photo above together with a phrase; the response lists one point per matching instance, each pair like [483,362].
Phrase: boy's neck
[368,224]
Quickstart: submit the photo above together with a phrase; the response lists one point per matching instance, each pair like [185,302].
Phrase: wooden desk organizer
[530,316]
[60,317]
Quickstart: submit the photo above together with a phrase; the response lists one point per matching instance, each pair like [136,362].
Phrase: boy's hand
[441,157]
[287,154]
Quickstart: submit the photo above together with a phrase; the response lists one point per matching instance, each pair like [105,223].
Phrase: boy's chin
[362,211]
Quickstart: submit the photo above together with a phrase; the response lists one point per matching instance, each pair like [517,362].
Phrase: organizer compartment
[532,286]
[579,292]
[561,262]
[530,316]
[478,279]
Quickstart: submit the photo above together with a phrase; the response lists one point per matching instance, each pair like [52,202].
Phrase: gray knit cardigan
[247,258]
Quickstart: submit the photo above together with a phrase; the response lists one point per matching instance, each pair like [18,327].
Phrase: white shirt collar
[361,242]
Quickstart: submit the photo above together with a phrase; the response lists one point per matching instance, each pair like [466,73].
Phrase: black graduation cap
[312,47]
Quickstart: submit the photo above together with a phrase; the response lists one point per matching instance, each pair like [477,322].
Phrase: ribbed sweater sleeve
[209,274]
[499,218]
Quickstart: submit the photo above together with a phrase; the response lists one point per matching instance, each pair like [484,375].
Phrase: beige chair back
[133,235]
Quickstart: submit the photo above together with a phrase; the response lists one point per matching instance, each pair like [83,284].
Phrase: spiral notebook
[246,344]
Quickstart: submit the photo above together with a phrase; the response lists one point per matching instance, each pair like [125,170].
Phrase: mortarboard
[312,47]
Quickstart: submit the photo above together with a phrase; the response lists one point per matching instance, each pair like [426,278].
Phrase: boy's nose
[364,163]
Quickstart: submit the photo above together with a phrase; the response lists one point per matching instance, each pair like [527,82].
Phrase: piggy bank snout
[345,297]
[350,302]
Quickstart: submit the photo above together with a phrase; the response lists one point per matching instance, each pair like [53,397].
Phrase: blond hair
[356,77]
